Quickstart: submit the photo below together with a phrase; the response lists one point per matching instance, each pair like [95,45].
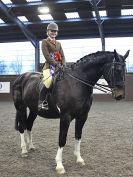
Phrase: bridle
[112,76]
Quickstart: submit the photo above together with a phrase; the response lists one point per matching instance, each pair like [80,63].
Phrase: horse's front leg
[78,133]
[64,125]
[29,141]
[77,152]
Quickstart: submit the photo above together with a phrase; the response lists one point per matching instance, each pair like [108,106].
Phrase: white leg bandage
[59,168]
[29,140]
[23,144]
[77,152]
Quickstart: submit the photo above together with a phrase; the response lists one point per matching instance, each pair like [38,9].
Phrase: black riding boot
[42,103]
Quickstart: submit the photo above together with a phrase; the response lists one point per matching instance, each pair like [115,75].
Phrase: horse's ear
[126,55]
[116,55]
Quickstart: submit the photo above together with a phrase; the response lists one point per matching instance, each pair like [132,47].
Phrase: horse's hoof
[60,170]
[24,155]
[31,148]
[82,163]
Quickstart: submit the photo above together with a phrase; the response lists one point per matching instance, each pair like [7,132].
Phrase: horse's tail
[21,112]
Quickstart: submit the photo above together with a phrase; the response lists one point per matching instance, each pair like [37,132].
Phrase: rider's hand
[61,67]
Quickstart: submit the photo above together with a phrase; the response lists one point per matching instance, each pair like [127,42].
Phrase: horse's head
[114,73]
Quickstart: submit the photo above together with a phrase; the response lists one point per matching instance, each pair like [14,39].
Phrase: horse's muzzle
[118,93]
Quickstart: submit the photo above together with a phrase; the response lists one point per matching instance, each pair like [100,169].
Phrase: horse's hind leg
[20,125]
[32,116]
[23,123]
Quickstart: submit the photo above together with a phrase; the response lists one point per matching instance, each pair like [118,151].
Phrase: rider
[54,55]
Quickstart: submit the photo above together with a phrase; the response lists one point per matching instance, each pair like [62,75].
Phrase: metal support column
[99,22]
[37,56]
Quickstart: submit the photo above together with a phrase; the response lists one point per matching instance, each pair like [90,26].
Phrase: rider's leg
[43,104]
[47,80]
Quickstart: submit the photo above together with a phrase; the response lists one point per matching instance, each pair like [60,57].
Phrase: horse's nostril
[119,97]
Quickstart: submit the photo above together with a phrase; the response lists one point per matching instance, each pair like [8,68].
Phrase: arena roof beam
[30,36]
[99,22]
[29,4]
[72,20]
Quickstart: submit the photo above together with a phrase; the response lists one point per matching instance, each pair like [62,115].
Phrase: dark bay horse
[70,99]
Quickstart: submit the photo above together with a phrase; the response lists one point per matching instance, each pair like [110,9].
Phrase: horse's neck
[91,69]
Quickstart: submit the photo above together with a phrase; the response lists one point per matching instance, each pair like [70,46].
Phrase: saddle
[58,76]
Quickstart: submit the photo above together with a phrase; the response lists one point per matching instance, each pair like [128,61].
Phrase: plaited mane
[91,58]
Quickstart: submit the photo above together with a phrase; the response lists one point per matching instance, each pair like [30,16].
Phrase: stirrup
[45,105]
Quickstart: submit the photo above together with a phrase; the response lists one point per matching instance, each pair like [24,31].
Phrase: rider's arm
[46,53]
[62,56]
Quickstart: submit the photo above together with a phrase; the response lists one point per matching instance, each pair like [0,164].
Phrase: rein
[103,87]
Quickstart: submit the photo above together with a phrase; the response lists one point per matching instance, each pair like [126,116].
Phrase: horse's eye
[118,68]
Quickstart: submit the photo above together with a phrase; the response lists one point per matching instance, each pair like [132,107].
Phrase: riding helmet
[52,26]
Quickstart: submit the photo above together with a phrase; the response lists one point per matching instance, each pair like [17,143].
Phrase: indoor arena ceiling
[86,24]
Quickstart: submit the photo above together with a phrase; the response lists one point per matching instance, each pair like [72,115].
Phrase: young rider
[54,55]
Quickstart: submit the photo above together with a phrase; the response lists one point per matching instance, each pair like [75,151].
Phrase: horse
[70,98]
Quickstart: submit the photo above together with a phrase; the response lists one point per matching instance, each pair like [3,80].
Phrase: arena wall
[97,97]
